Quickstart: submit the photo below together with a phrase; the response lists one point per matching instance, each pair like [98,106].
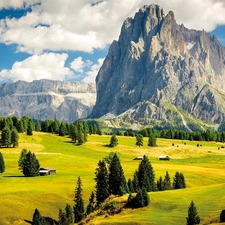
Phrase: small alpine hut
[139,158]
[47,171]
[164,157]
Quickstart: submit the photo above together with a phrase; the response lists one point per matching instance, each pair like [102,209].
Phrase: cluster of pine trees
[166,184]
[28,164]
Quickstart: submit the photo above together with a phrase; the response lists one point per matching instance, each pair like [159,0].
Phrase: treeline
[208,135]
[11,126]
[110,181]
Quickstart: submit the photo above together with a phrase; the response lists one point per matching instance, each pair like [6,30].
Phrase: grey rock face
[46,99]
[166,64]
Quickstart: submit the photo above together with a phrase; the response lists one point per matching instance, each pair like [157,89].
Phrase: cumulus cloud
[45,66]
[92,73]
[87,25]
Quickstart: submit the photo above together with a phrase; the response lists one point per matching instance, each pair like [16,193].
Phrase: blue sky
[68,40]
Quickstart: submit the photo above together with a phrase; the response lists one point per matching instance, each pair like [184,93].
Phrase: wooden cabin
[47,171]
[164,157]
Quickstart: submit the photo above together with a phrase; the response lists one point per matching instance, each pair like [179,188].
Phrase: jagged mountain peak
[161,62]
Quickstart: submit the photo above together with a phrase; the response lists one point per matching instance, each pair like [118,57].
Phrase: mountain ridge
[47,99]
[159,61]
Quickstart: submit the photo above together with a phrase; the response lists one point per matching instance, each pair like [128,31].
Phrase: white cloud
[15,4]
[92,73]
[46,66]
[77,65]
[80,25]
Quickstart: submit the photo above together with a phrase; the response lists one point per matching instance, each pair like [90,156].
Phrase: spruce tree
[117,181]
[102,182]
[62,129]
[160,185]
[130,186]
[91,204]
[135,182]
[14,137]
[31,166]
[30,127]
[2,163]
[113,141]
[152,140]
[79,203]
[69,214]
[38,219]
[146,176]
[193,217]
[167,182]
[146,199]
[6,137]
[80,137]
[179,181]
[139,140]
[22,159]
[37,126]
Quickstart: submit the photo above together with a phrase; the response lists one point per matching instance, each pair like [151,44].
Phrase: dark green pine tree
[31,166]
[152,140]
[179,181]
[69,214]
[102,182]
[30,127]
[138,199]
[80,137]
[79,203]
[113,141]
[135,182]
[91,204]
[166,182]
[139,140]
[20,127]
[2,164]
[160,185]
[37,126]
[6,137]
[130,186]
[62,218]
[146,176]
[193,217]
[222,216]
[14,137]
[22,159]
[62,129]
[145,196]
[73,132]
[117,180]
[38,219]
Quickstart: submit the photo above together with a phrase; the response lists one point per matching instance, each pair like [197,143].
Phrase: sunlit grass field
[203,168]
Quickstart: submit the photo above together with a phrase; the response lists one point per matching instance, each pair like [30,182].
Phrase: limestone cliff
[162,71]
[46,99]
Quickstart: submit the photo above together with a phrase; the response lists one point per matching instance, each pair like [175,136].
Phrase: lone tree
[152,140]
[139,140]
[38,219]
[193,217]
[117,180]
[30,165]
[2,163]
[102,182]
[79,203]
[113,141]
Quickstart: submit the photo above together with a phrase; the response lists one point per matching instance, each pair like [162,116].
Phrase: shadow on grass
[108,146]
[10,176]
[28,221]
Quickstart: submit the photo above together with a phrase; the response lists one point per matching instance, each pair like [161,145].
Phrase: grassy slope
[203,168]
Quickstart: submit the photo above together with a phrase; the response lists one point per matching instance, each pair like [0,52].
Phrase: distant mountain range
[47,99]
[160,73]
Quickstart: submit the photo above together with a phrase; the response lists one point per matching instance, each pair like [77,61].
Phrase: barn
[164,157]
[47,171]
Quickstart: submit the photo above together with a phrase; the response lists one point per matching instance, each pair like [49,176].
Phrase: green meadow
[203,168]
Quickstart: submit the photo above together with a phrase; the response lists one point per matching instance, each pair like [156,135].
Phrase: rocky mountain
[47,99]
[162,73]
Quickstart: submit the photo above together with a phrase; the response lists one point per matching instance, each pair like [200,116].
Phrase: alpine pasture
[203,168]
